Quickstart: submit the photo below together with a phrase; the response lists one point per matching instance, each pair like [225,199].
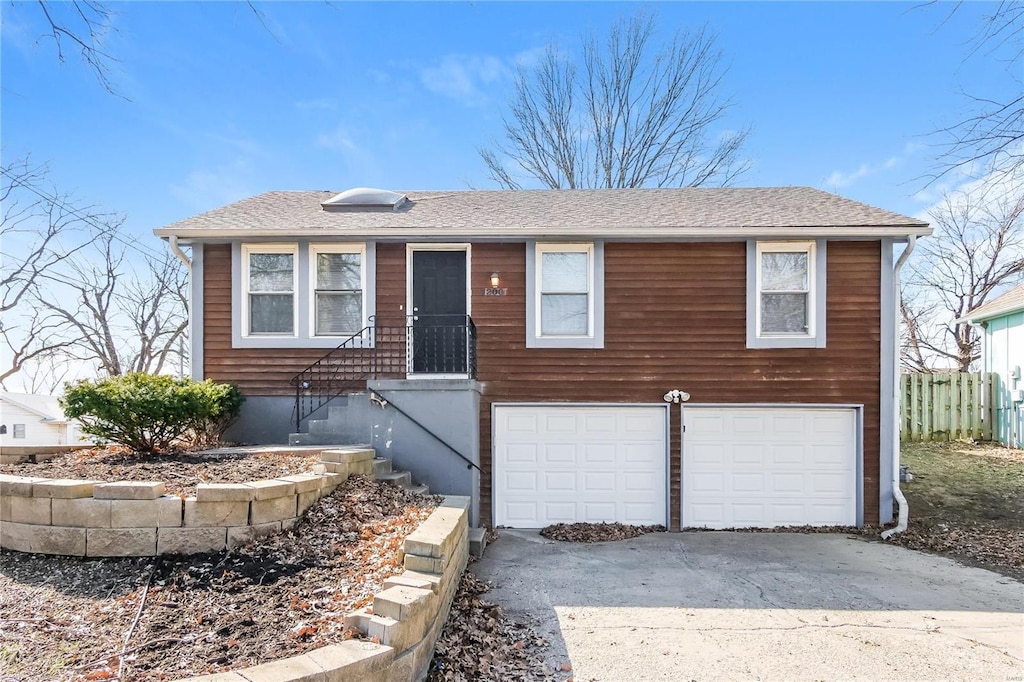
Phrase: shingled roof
[1010,302]
[648,213]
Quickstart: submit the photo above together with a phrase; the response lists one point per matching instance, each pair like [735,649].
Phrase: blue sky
[840,96]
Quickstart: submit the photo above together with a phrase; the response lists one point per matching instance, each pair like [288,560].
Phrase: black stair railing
[441,345]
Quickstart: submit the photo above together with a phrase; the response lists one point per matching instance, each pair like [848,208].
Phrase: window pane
[338,270]
[563,314]
[19,430]
[271,313]
[270,271]
[339,314]
[784,271]
[784,313]
[563,272]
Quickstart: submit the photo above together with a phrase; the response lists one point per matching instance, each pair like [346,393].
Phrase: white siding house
[35,420]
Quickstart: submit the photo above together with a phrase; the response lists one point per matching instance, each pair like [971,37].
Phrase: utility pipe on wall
[904,515]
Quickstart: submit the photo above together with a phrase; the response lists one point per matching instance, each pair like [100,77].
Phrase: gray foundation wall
[263,420]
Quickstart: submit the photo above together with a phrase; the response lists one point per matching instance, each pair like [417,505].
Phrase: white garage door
[567,464]
[769,466]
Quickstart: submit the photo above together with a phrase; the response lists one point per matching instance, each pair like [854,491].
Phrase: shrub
[148,413]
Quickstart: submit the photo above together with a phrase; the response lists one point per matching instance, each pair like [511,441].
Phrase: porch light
[495,280]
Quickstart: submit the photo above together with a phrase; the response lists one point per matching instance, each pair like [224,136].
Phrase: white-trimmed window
[786,292]
[338,289]
[19,431]
[565,290]
[269,276]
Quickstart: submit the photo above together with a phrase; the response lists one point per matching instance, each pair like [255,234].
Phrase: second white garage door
[759,467]
[568,464]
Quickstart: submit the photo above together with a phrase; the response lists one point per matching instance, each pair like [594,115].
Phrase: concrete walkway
[701,606]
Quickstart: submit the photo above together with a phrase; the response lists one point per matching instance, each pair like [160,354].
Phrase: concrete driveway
[698,606]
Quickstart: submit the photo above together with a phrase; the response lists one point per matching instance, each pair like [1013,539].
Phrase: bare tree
[636,116]
[991,133]
[83,26]
[117,319]
[977,249]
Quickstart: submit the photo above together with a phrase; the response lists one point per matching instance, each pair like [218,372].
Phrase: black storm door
[439,312]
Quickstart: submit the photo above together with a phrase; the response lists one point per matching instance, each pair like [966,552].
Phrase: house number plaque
[495,291]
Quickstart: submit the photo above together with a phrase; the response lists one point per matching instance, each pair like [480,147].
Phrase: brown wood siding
[675,317]
[267,371]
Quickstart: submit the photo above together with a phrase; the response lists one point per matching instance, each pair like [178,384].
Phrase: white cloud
[840,179]
[339,139]
[464,77]
[204,189]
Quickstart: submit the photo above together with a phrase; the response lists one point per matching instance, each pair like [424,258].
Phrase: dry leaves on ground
[596,532]
[479,643]
[277,597]
[180,471]
[995,548]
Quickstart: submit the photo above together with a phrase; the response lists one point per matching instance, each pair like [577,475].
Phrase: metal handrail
[387,348]
[384,403]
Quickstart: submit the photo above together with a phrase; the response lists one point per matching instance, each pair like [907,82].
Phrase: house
[1002,353]
[29,420]
[687,357]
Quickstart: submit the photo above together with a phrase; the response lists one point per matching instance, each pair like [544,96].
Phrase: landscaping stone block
[162,512]
[120,542]
[230,676]
[352,660]
[63,488]
[5,508]
[23,537]
[240,535]
[288,524]
[271,488]
[18,485]
[349,456]
[377,626]
[273,509]
[307,500]
[190,540]
[304,483]
[456,502]
[477,541]
[400,602]
[34,510]
[128,490]
[359,620]
[225,492]
[81,513]
[412,579]
[423,564]
[216,513]
[295,669]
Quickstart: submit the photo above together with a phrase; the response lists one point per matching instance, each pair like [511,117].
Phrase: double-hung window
[565,298]
[788,295]
[270,274]
[338,286]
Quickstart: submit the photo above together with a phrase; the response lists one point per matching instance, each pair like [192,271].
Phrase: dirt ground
[180,471]
[175,617]
[967,502]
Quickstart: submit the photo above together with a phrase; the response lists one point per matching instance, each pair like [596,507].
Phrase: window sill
[563,342]
[785,342]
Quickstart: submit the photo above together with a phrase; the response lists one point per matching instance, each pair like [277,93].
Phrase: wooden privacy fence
[947,406]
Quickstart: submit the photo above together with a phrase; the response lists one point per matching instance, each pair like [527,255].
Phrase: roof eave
[550,232]
[975,320]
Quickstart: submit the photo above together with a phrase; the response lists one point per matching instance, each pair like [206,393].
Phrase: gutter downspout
[904,515]
[173,241]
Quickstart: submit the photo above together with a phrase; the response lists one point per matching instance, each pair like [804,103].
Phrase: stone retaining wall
[131,518]
[406,618]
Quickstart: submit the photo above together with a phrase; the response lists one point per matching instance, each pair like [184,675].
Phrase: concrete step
[381,465]
[399,478]
[321,426]
[318,439]
[420,489]
[477,541]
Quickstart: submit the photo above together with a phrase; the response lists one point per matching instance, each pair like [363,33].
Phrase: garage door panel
[615,471]
[799,469]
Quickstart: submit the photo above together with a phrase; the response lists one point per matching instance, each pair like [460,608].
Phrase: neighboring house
[1002,352]
[35,420]
[535,348]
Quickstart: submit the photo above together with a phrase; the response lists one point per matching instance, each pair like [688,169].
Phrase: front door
[439,312]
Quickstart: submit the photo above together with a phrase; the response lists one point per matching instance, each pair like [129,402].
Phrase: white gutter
[173,241]
[904,515]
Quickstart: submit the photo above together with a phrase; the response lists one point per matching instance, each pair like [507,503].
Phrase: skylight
[365,199]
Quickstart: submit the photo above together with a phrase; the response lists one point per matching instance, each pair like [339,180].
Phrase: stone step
[399,478]
[477,541]
[420,489]
[381,465]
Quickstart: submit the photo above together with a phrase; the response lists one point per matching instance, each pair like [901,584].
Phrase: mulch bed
[177,617]
[180,471]
[479,643]
[596,532]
